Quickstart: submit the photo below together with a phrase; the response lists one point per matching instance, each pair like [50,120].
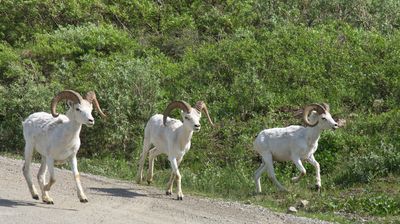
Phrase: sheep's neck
[313,135]
[72,127]
[184,136]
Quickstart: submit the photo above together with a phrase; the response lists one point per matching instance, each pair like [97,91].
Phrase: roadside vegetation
[254,63]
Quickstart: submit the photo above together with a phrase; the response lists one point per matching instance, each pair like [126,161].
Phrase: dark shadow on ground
[118,192]
[13,204]
[16,204]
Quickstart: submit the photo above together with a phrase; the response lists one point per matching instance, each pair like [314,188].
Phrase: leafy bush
[253,62]
[378,157]
[128,90]
[84,58]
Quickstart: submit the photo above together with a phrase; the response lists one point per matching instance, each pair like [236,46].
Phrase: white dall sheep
[294,143]
[171,137]
[56,138]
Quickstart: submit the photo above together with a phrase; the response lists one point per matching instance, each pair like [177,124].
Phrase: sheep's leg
[81,195]
[317,170]
[146,147]
[170,183]
[172,179]
[45,197]
[269,163]
[153,153]
[42,177]
[26,169]
[178,177]
[299,166]
[257,176]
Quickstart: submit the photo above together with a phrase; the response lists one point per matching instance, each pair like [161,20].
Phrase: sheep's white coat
[56,140]
[293,143]
[174,140]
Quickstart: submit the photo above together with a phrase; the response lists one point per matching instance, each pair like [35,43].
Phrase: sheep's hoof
[149,182]
[168,193]
[36,197]
[180,198]
[318,188]
[283,190]
[49,202]
[84,200]
[255,193]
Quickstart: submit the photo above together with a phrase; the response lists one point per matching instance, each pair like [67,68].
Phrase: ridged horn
[200,107]
[176,104]
[307,110]
[91,97]
[64,95]
[326,106]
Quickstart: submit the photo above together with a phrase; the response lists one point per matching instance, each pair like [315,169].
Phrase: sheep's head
[318,114]
[80,109]
[191,116]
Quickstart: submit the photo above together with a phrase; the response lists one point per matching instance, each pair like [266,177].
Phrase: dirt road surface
[114,201]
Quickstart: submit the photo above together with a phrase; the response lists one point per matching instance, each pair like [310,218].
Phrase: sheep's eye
[187,118]
[324,118]
[77,109]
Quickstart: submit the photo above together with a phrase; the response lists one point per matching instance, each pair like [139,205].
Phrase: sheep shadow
[117,192]
[14,204]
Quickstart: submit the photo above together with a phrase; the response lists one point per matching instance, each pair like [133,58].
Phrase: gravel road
[115,201]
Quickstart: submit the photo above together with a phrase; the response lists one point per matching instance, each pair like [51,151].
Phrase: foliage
[254,63]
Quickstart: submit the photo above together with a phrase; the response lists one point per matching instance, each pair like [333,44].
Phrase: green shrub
[254,63]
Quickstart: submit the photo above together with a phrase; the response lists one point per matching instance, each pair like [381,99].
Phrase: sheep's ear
[313,117]
[70,103]
[182,114]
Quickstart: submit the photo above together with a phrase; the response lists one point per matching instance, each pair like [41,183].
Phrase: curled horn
[91,97]
[67,95]
[200,107]
[320,110]
[176,104]
[326,106]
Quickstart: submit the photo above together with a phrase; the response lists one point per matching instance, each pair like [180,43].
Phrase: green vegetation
[254,63]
